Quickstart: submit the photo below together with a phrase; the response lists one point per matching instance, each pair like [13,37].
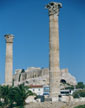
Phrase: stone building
[40,76]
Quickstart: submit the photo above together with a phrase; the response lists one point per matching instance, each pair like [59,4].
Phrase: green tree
[14,96]
[4,94]
[22,92]
[19,94]
[79,93]
[80,85]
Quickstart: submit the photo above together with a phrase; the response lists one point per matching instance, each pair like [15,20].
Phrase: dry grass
[53,105]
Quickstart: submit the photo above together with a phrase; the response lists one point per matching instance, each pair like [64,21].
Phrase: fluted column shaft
[9,59]
[54,69]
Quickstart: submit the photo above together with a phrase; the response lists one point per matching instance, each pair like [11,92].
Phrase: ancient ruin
[9,59]
[40,76]
[52,76]
[54,69]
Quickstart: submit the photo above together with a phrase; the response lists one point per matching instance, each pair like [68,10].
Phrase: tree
[21,74]
[19,94]
[0,95]
[4,94]
[14,96]
[79,93]
[22,92]
[80,85]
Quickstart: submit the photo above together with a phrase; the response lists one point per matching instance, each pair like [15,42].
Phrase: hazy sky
[29,22]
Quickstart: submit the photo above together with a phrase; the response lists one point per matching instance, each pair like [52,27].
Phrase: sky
[28,21]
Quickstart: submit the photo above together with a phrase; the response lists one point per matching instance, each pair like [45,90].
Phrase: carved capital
[9,38]
[53,8]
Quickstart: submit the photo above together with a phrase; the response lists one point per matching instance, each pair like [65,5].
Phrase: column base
[52,99]
[55,99]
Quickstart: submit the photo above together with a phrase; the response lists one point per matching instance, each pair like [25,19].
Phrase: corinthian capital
[9,38]
[54,8]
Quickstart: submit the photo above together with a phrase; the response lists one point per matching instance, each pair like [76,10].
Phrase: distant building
[41,90]
[46,90]
[40,76]
[37,89]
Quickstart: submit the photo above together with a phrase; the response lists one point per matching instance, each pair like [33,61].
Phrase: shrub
[70,87]
[80,85]
[79,93]
[80,106]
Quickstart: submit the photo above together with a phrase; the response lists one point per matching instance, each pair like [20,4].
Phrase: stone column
[9,59]
[54,69]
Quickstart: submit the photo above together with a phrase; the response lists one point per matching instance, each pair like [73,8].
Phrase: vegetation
[71,87]
[80,106]
[79,93]
[14,96]
[80,85]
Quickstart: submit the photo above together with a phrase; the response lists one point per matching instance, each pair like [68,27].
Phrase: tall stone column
[9,59]
[54,69]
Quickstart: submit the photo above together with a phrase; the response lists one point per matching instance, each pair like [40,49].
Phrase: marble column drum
[9,59]
[54,69]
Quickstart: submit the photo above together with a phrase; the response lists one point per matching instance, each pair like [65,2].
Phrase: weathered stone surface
[9,38]
[54,69]
[9,59]
[39,76]
[53,8]
[68,77]
[53,75]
